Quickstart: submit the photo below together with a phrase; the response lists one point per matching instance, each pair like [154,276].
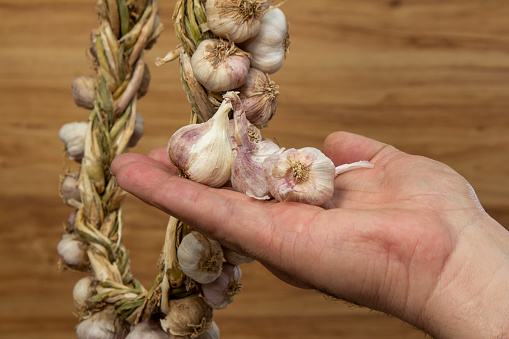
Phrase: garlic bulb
[83,91]
[82,291]
[235,20]
[190,316]
[222,291]
[259,97]
[305,175]
[248,171]
[235,258]
[69,190]
[200,258]
[69,225]
[202,152]
[104,324]
[73,251]
[139,124]
[73,135]
[268,49]
[212,332]
[219,65]
[147,330]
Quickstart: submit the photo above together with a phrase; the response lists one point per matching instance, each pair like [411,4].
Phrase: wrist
[471,299]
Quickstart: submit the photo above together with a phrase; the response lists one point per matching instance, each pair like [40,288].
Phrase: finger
[126,158]
[161,155]
[344,147]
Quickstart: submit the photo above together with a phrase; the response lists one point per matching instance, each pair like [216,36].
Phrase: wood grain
[430,77]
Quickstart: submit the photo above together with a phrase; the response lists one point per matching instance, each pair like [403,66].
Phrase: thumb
[343,147]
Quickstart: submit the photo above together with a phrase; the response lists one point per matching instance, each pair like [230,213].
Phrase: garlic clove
[248,172]
[235,20]
[82,291]
[202,152]
[147,330]
[200,258]
[83,91]
[305,175]
[104,324]
[219,65]
[235,258]
[190,316]
[73,135]
[259,97]
[222,291]
[268,49]
[73,251]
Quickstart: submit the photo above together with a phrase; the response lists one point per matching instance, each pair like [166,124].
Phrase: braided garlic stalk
[110,299]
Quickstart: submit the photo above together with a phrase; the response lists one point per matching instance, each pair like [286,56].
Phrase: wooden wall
[428,76]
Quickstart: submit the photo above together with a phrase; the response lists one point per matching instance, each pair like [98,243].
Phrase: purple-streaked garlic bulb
[247,171]
[202,152]
[222,291]
[219,65]
[302,175]
[259,97]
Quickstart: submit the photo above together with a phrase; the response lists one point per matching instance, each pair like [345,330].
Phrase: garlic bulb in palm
[269,48]
[190,316]
[219,65]
[235,20]
[202,152]
[259,97]
[222,291]
[200,258]
[305,175]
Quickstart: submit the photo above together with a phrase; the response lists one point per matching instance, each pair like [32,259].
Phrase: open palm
[368,244]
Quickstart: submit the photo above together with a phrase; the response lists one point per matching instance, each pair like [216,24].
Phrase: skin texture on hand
[408,237]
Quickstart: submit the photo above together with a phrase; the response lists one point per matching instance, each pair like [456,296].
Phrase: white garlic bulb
[73,251]
[222,291]
[147,330]
[212,332]
[202,152]
[190,316]
[259,97]
[248,172]
[83,91]
[73,135]
[82,291]
[304,175]
[69,190]
[200,258]
[235,258]
[219,65]
[104,324]
[268,49]
[235,20]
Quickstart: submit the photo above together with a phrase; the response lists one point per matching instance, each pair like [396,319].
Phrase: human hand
[404,237]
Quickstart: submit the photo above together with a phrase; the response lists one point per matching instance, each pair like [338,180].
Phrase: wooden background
[428,76]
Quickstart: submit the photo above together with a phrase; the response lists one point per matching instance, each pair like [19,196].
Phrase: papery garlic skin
[305,175]
[104,324]
[219,65]
[268,49]
[190,316]
[259,97]
[222,291]
[147,330]
[235,20]
[73,135]
[200,258]
[202,152]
